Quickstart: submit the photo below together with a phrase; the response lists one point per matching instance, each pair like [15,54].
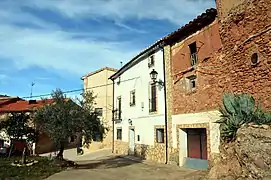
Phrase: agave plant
[236,111]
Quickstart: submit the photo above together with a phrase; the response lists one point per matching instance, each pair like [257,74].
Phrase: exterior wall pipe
[113,112]
[165,97]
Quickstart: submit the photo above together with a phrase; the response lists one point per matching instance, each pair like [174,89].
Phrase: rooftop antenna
[32,84]
[121,64]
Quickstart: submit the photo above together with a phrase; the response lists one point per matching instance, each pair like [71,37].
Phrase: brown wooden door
[197,143]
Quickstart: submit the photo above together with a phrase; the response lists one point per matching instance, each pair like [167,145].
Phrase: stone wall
[154,153]
[121,147]
[245,31]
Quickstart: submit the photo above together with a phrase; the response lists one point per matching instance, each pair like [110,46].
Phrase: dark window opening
[118,111]
[153,100]
[193,53]
[160,135]
[99,111]
[132,98]
[119,134]
[192,82]
[138,138]
[151,61]
[254,58]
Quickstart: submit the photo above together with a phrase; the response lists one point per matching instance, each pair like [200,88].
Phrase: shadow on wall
[106,163]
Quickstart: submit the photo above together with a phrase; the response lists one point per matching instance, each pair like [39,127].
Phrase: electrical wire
[78,90]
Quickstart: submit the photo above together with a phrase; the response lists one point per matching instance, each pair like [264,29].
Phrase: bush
[239,109]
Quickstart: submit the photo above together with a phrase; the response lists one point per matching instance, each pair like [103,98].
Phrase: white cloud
[175,11]
[51,47]
[58,50]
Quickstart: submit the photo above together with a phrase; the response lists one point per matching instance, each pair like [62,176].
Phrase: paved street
[103,165]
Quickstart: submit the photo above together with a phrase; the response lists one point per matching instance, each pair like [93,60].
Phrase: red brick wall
[228,69]
[208,43]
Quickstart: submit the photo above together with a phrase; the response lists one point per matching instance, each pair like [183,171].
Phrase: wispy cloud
[69,38]
[175,11]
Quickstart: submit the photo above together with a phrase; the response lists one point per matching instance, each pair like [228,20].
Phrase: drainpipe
[113,112]
[165,98]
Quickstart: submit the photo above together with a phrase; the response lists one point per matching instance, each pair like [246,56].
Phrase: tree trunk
[61,151]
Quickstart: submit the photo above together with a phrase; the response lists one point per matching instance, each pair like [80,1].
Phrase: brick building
[192,133]
[233,55]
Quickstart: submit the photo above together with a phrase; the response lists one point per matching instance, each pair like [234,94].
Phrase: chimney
[32,102]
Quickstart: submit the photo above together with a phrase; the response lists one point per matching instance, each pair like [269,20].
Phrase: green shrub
[239,109]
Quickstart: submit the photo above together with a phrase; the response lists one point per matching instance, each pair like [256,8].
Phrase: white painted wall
[142,120]
[202,117]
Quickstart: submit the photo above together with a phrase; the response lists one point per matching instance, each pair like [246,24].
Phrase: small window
[1,143]
[193,54]
[160,135]
[151,61]
[73,138]
[192,83]
[119,134]
[132,98]
[99,111]
[138,137]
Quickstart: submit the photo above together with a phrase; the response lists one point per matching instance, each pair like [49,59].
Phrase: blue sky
[55,42]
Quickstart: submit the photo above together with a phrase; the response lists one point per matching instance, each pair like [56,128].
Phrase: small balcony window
[132,98]
[153,99]
[193,54]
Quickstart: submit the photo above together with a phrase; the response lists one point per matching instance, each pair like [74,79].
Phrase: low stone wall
[121,147]
[154,153]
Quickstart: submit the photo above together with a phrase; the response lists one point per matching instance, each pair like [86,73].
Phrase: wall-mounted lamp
[154,75]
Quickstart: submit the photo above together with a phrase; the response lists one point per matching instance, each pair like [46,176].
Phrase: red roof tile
[22,105]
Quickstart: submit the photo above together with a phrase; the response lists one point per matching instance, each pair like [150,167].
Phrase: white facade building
[139,105]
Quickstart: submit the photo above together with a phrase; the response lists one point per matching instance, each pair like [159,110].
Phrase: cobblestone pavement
[113,167]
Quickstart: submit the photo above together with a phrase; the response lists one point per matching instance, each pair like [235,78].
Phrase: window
[151,61]
[160,135]
[153,100]
[99,111]
[73,138]
[119,134]
[132,98]
[118,111]
[1,143]
[193,54]
[192,82]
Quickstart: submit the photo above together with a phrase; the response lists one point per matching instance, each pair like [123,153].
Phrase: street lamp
[154,75]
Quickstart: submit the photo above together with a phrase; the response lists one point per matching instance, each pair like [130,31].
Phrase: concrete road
[102,165]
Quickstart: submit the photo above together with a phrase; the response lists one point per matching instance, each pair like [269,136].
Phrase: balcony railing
[117,116]
[194,59]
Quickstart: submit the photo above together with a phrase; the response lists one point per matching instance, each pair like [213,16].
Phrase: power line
[77,90]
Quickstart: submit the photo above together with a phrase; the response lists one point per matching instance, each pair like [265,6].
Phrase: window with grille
[193,54]
[160,135]
[119,134]
[153,99]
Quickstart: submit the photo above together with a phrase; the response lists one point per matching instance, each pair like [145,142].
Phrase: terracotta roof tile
[23,105]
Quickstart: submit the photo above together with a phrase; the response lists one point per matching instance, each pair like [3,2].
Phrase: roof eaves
[97,71]
[169,38]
